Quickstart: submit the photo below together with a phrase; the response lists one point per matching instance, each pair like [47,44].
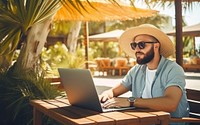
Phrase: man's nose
[137,48]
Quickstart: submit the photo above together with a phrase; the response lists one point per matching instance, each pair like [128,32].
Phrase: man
[156,82]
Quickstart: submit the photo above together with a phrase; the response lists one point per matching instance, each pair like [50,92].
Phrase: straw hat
[166,45]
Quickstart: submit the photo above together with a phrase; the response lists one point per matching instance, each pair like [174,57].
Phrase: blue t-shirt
[168,73]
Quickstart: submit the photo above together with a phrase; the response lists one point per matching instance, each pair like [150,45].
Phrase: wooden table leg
[37,117]
[120,71]
[163,117]
[165,122]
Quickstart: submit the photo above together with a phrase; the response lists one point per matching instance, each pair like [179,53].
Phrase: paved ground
[193,80]
[105,82]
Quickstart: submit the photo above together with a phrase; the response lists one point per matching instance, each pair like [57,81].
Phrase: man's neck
[153,64]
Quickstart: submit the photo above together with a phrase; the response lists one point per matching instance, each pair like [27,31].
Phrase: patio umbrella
[107,36]
[193,30]
[100,11]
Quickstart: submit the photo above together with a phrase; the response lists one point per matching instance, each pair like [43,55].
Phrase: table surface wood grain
[61,111]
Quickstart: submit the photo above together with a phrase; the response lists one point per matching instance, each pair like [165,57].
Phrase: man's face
[145,55]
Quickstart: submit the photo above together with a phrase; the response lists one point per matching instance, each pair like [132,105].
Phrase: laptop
[81,91]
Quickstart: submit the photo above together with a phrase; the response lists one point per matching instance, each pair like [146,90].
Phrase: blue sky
[191,16]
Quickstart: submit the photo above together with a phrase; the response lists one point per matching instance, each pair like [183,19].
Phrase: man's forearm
[118,90]
[168,102]
[160,103]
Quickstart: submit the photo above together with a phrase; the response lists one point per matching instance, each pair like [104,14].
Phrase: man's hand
[114,92]
[116,103]
[106,95]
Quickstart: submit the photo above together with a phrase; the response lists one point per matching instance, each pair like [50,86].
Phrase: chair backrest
[103,62]
[194,102]
[120,62]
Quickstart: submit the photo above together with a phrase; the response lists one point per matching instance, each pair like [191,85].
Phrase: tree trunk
[32,46]
[73,36]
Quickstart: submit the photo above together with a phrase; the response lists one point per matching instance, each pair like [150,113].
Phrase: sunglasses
[141,45]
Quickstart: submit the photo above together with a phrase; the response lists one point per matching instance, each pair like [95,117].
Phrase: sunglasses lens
[141,45]
[133,45]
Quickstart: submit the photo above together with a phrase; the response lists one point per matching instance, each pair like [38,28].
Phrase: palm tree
[27,22]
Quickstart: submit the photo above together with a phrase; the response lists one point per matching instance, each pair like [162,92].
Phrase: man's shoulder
[169,62]
[172,63]
[171,66]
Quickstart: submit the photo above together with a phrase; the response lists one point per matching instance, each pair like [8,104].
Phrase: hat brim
[166,46]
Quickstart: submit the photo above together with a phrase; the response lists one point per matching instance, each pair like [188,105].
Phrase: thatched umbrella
[100,11]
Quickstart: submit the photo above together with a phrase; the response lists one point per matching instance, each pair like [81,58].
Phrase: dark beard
[147,58]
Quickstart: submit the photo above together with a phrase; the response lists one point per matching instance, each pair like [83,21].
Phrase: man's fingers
[109,103]
[104,98]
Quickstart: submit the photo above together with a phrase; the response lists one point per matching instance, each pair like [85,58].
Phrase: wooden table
[61,111]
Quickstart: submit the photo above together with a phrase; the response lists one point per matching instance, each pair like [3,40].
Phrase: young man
[156,82]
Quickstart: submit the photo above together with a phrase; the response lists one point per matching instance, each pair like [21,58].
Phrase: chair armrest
[185,119]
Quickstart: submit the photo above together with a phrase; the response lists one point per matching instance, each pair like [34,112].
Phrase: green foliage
[96,27]
[188,49]
[104,49]
[58,56]
[198,51]
[16,93]
[156,20]
[60,27]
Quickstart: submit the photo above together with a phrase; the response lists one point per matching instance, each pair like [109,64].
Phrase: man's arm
[168,102]
[113,92]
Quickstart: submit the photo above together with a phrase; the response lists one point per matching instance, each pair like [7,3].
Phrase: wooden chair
[120,65]
[120,62]
[194,102]
[104,65]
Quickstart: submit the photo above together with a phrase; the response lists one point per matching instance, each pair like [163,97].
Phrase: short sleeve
[127,80]
[176,77]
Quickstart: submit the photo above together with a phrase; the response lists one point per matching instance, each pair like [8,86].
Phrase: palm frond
[17,16]
[186,4]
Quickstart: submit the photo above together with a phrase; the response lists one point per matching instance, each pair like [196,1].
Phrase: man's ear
[156,45]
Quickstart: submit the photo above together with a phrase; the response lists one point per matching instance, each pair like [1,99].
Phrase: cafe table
[61,111]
